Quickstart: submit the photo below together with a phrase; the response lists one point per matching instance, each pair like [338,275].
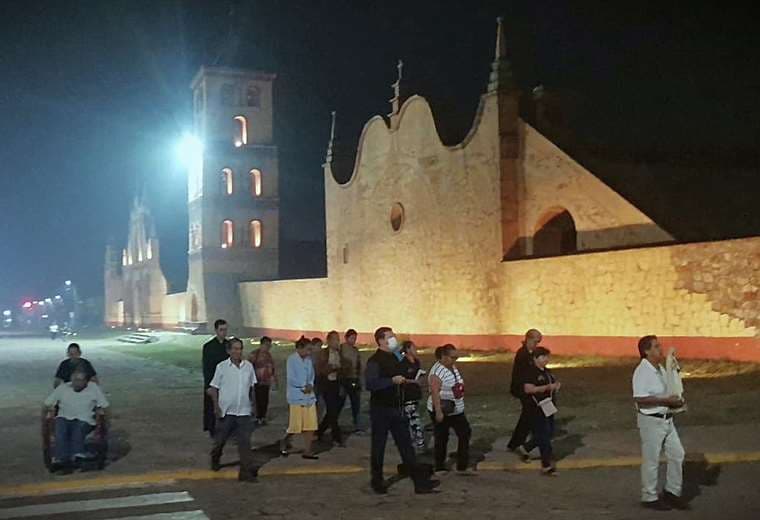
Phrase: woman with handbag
[540,386]
[446,407]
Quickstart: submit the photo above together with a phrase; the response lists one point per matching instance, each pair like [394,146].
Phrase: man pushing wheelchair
[80,408]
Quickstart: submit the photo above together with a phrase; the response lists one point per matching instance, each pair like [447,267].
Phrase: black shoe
[310,456]
[675,501]
[379,488]
[215,465]
[425,488]
[657,505]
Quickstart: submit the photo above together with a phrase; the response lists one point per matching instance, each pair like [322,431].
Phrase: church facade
[476,242]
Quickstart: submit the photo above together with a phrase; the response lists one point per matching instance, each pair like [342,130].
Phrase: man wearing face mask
[384,377]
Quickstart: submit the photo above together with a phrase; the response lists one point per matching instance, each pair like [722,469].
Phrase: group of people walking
[321,380]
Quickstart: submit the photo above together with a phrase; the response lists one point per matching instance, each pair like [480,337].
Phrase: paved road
[583,494]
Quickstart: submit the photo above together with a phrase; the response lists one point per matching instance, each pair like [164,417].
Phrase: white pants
[656,434]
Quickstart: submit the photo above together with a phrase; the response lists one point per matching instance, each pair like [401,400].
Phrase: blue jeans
[543,431]
[69,438]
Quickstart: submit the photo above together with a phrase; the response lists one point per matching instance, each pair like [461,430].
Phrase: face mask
[393,344]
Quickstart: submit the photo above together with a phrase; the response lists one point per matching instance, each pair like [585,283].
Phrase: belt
[658,415]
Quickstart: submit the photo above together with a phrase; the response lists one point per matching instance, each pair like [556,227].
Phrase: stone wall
[440,275]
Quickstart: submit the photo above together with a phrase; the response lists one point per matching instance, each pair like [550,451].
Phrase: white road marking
[95,505]
[183,515]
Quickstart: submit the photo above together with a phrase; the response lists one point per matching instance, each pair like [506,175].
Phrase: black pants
[262,400]
[523,427]
[383,420]
[543,431]
[242,427]
[461,427]
[331,392]
[209,416]
[351,389]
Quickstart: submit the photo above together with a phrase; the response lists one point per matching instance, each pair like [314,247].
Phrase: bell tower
[233,198]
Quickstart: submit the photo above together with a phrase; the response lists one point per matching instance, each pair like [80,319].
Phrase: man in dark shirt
[539,383]
[384,378]
[523,363]
[215,351]
[74,363]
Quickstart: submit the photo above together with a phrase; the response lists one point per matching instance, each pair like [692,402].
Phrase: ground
[156,439]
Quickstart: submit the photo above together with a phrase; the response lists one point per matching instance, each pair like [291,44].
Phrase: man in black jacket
[384,377]
[214,352]
[522,364]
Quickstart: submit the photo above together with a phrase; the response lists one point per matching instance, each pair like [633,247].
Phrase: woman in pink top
[263,363]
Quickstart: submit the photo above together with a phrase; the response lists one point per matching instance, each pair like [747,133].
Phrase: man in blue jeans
[384,376]
[78,402]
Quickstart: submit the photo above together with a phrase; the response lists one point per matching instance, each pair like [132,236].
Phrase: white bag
[547,406]
[673,383]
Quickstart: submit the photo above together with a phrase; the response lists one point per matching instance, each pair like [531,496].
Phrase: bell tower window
[255,182]
[227,234]
[227,181]
[255,232]
[241,131]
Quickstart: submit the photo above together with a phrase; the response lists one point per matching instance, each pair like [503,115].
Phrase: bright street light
[190,151]
[67,282]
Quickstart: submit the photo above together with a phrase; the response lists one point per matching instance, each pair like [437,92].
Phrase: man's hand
[50,414]
[555,386]
[308,389]
[398,380]
[438,416]
[218,412]
[674,401]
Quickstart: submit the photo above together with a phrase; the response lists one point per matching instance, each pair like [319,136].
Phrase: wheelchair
[96,443]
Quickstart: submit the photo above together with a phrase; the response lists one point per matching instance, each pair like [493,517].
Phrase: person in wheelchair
[81,406]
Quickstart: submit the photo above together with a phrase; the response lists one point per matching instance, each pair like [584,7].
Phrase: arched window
[253,96]
[254,229]
[227,95]
[255,182]
[227,181]
[241,131]
[124,257]
[555,234]
[227,234]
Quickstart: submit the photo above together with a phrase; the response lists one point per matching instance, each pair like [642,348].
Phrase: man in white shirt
[657,429]
[231,391]
[78,402]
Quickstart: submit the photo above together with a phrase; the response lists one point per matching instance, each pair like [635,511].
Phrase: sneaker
[656,505]
[426,487]
[521,452]
[675,501]
[551,471]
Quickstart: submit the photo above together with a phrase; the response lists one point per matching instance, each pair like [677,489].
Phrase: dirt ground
[155,392]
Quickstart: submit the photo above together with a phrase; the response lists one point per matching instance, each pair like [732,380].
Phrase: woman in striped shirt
[446,407]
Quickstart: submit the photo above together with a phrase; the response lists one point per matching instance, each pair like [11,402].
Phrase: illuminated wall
[440,276]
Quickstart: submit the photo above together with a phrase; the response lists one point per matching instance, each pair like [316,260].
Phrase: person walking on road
[522,364]
[657,429]
[231,391]
[302,402]
[214,352]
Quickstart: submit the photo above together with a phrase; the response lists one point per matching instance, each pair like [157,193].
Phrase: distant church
[471,243]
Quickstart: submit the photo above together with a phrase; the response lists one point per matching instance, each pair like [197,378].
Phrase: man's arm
[52,399]
[372,379]
[213,393]
[653,401]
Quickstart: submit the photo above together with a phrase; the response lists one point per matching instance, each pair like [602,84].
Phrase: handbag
[547,404]
[448,406]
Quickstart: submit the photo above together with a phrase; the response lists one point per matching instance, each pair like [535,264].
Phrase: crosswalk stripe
[95,505]
[182,515]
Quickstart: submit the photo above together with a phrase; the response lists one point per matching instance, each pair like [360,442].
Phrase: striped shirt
[448,379]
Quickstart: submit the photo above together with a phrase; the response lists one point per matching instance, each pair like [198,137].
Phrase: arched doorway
[555,234]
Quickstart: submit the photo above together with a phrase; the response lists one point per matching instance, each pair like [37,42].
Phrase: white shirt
[448,379]
[649,381]
[77,405]
[234,384]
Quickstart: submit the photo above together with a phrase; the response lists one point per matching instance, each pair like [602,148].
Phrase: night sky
[94,95]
